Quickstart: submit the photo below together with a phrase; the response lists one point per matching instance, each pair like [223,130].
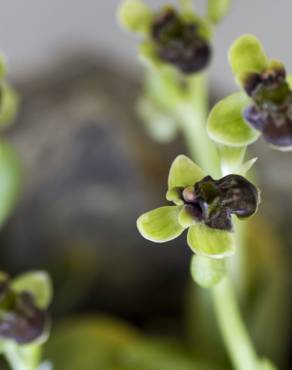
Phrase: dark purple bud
[179,43]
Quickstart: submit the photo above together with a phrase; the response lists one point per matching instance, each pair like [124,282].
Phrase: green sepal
[218,9]
[174,195]
[10,180]
[245,167]
[38,283]
[160,125]
[204,28]
[206,271]
[161,224]
[2,66]
[185,218]
[147,55]
[226,124]
[8,105]
[184,172]
[275,64]
[135,16]
[231,158]
[213,243]
[247,55]
[289,80]
[266,364]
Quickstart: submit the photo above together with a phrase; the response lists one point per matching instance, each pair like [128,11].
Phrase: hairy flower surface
[204,206]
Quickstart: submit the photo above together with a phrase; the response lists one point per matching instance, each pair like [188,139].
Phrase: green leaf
[206,271]
[2,66]
[184,172]
[8,106]
[161,224]
[247,55]
[10,180]
[217,9]
[215,243]
[226,124]
[38,283]
[135,16]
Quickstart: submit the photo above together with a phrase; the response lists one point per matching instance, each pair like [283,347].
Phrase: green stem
[193,115]
[234,333]
[193,112]
[26,358]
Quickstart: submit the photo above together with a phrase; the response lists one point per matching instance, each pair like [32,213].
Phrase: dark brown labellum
[271,113]
[214,201]
[275,123]
[179,43]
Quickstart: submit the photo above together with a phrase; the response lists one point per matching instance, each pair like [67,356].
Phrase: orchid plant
[211,192]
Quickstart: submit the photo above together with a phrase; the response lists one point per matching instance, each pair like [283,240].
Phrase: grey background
[34,32]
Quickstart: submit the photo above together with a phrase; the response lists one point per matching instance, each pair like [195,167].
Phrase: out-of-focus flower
[23,302]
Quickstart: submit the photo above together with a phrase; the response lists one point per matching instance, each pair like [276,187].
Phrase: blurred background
[89,171]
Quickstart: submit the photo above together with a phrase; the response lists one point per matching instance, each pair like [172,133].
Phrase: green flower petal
[174,195]
[206,271]
[245,167]
[161,224]
[226,124]
[8,105]
[209,242]
[217,9]
[135,16]
[184,172]
[185,218]
[289,80]
[247,54]
[10,180]
[2,66]
[38,283]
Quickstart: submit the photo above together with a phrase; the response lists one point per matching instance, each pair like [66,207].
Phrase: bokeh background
[90,169]
[34,33]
